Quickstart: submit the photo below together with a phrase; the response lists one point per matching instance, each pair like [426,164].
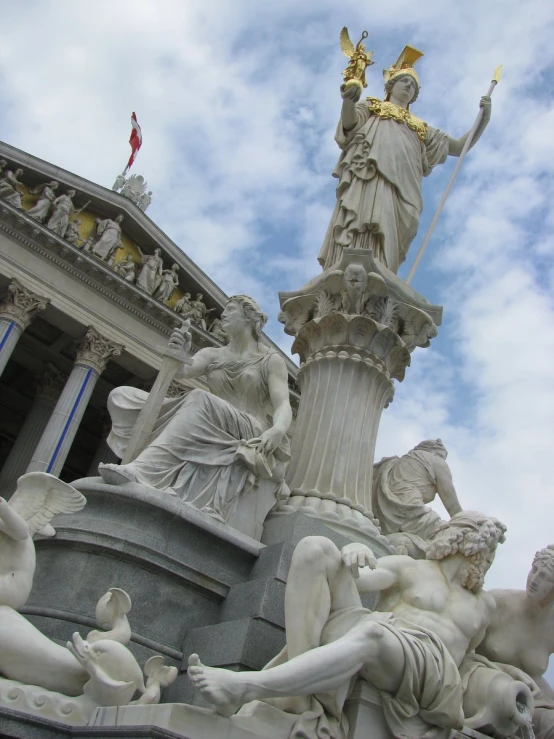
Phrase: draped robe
[379,201]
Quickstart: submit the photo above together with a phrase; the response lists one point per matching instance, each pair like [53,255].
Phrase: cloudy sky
[238,101]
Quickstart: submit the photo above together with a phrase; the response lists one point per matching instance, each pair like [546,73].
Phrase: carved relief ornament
[96,350]
[21,305]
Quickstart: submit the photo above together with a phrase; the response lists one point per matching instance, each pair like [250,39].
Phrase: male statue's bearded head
[540,581]
[473,535]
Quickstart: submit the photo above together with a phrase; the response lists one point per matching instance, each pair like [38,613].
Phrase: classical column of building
[55,442]
[16,312]
[49,388]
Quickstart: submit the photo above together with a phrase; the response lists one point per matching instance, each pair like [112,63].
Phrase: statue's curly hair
[467,532]
[545,558]
[389,84]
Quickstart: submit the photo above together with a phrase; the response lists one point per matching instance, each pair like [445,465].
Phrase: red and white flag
[135,140]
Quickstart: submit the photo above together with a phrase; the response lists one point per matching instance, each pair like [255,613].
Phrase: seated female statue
[210,448]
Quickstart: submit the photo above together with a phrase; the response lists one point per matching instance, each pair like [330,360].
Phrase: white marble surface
[430,614]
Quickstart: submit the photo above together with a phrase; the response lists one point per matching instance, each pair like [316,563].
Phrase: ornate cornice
[95,350]
[21,305]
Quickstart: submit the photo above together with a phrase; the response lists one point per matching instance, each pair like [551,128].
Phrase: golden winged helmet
[354,74]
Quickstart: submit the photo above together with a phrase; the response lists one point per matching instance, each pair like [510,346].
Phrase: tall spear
[496,78]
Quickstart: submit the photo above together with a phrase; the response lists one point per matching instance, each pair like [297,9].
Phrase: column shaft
[334,441]
[10,331]
[58,436]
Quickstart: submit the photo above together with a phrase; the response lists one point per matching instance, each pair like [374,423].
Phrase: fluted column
[17,310]
[55,442]
[48,391]
[354,333]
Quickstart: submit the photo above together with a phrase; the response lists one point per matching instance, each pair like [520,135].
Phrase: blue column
[55,443]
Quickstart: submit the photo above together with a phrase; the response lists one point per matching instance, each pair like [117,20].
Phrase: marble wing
[40,496]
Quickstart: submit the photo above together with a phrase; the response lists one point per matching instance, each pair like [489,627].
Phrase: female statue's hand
[270,440]
[180,339]
[352,93]
[486,104]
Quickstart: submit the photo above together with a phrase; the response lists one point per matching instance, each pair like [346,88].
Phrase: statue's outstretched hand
[352,92]
[486,104]
[354,556]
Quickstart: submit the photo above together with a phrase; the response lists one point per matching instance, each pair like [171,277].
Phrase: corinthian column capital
[95,350]
[21,305]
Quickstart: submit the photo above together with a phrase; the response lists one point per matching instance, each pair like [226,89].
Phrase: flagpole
[470,136]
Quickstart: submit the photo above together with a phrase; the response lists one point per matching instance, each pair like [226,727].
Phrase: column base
[339,514]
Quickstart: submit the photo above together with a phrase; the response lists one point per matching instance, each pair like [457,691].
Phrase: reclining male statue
[431,614]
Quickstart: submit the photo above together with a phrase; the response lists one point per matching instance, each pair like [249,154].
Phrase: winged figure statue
[354,74]
[38,498]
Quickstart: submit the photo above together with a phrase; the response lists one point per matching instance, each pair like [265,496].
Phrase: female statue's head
[240,312]
[404,87]
[540,581]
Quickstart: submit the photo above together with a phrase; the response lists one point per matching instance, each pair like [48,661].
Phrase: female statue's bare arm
[455,146]
[280,399]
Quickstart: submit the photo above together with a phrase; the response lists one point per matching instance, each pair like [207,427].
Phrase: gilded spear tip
[497,74]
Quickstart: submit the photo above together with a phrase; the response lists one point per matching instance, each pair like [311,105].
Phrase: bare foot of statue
[114,474]
[225,689]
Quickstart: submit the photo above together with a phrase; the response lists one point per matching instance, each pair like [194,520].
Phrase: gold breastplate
[390,111]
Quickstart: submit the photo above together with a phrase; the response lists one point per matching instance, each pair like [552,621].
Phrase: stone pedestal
[55,443]
[16,312]
[355,327]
